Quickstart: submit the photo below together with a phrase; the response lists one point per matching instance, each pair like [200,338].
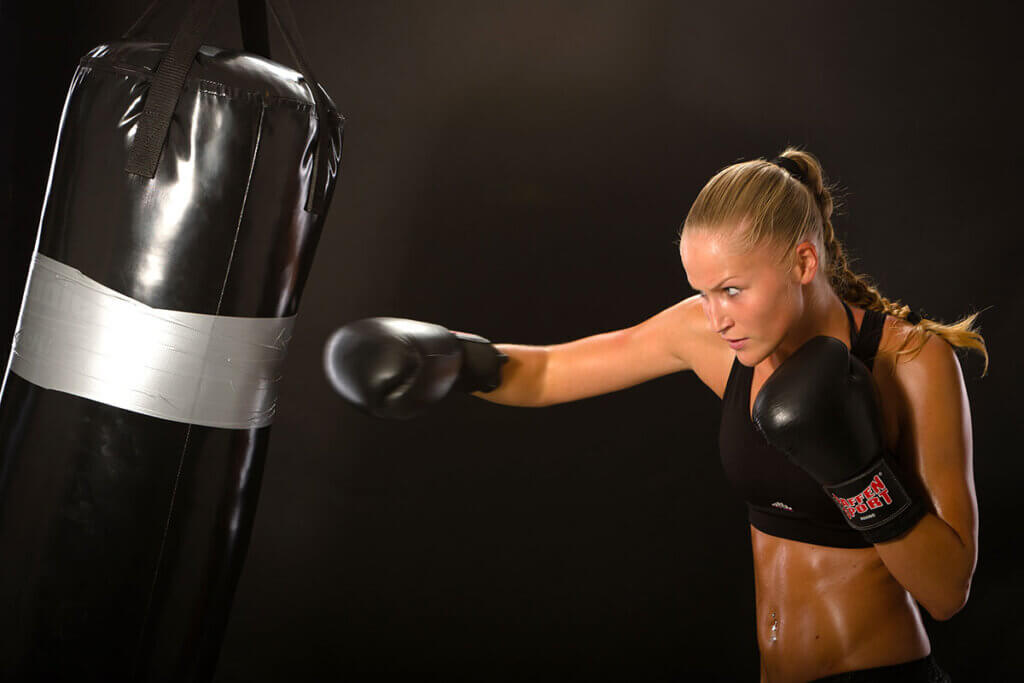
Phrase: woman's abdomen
[822,610]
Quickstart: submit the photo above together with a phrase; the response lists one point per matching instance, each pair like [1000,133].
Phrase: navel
[773,626]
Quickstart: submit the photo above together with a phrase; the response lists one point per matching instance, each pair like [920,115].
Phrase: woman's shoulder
[902,342]
[913,363]
[708,356]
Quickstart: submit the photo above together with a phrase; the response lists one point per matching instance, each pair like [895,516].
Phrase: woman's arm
[522,377]
[538,376]
[935,560]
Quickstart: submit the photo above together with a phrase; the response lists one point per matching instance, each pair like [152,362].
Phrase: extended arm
[602,363]
[393,367]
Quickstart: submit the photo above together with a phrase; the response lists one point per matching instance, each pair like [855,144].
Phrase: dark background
[520,170]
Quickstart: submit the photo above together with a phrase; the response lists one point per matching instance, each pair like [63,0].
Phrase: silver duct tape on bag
[82,338]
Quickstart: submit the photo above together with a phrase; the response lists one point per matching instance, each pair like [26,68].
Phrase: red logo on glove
[875,496]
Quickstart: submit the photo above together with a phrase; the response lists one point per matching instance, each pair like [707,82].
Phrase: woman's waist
[842,621]
[823,610]
[801,644]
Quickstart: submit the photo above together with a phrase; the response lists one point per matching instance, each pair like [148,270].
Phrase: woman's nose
[719,323]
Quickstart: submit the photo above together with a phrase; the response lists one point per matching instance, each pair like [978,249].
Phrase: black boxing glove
[396,368]
[819,407]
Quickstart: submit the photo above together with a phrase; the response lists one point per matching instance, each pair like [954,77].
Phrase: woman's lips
[738,344]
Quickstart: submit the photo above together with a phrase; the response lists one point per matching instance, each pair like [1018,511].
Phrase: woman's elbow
[946,611]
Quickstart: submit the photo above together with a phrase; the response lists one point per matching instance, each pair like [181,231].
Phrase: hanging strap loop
[165,88]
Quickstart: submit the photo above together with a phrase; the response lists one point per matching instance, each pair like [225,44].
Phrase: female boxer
[845,423]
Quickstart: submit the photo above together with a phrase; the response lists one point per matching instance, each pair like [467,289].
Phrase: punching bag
[186,196]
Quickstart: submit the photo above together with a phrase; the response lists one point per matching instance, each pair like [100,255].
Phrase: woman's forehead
[711,259]
[715,250]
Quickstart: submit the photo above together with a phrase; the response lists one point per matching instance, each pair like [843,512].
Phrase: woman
[835,601]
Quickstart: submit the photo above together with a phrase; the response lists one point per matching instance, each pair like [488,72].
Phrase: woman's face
[745,296]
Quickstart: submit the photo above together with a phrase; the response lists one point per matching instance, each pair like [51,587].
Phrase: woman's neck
[824,314]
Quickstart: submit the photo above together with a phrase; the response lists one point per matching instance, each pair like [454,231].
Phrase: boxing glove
[820,408]
[396,368]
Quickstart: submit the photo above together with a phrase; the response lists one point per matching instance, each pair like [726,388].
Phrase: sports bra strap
[865,341]
[854,333]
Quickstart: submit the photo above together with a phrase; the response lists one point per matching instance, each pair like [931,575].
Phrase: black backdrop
[519,169]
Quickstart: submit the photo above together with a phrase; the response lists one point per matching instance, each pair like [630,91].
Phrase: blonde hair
[780,211]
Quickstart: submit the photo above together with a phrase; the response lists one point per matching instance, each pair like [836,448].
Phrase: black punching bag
[187,192]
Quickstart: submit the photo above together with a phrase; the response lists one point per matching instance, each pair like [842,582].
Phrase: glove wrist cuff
[876,503]
[481,364]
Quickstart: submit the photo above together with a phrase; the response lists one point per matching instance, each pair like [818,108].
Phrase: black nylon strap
[252,15]
[165,88]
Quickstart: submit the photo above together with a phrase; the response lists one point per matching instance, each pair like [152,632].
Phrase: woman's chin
[746,356]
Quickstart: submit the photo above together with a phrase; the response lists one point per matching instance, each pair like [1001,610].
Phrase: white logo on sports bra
[780,504]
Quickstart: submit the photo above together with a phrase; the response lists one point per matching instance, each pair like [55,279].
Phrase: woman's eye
[736,289]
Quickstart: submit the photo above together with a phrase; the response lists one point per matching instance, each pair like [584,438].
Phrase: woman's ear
[806,262]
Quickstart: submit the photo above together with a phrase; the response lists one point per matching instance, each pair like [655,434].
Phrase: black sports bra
[782,499]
